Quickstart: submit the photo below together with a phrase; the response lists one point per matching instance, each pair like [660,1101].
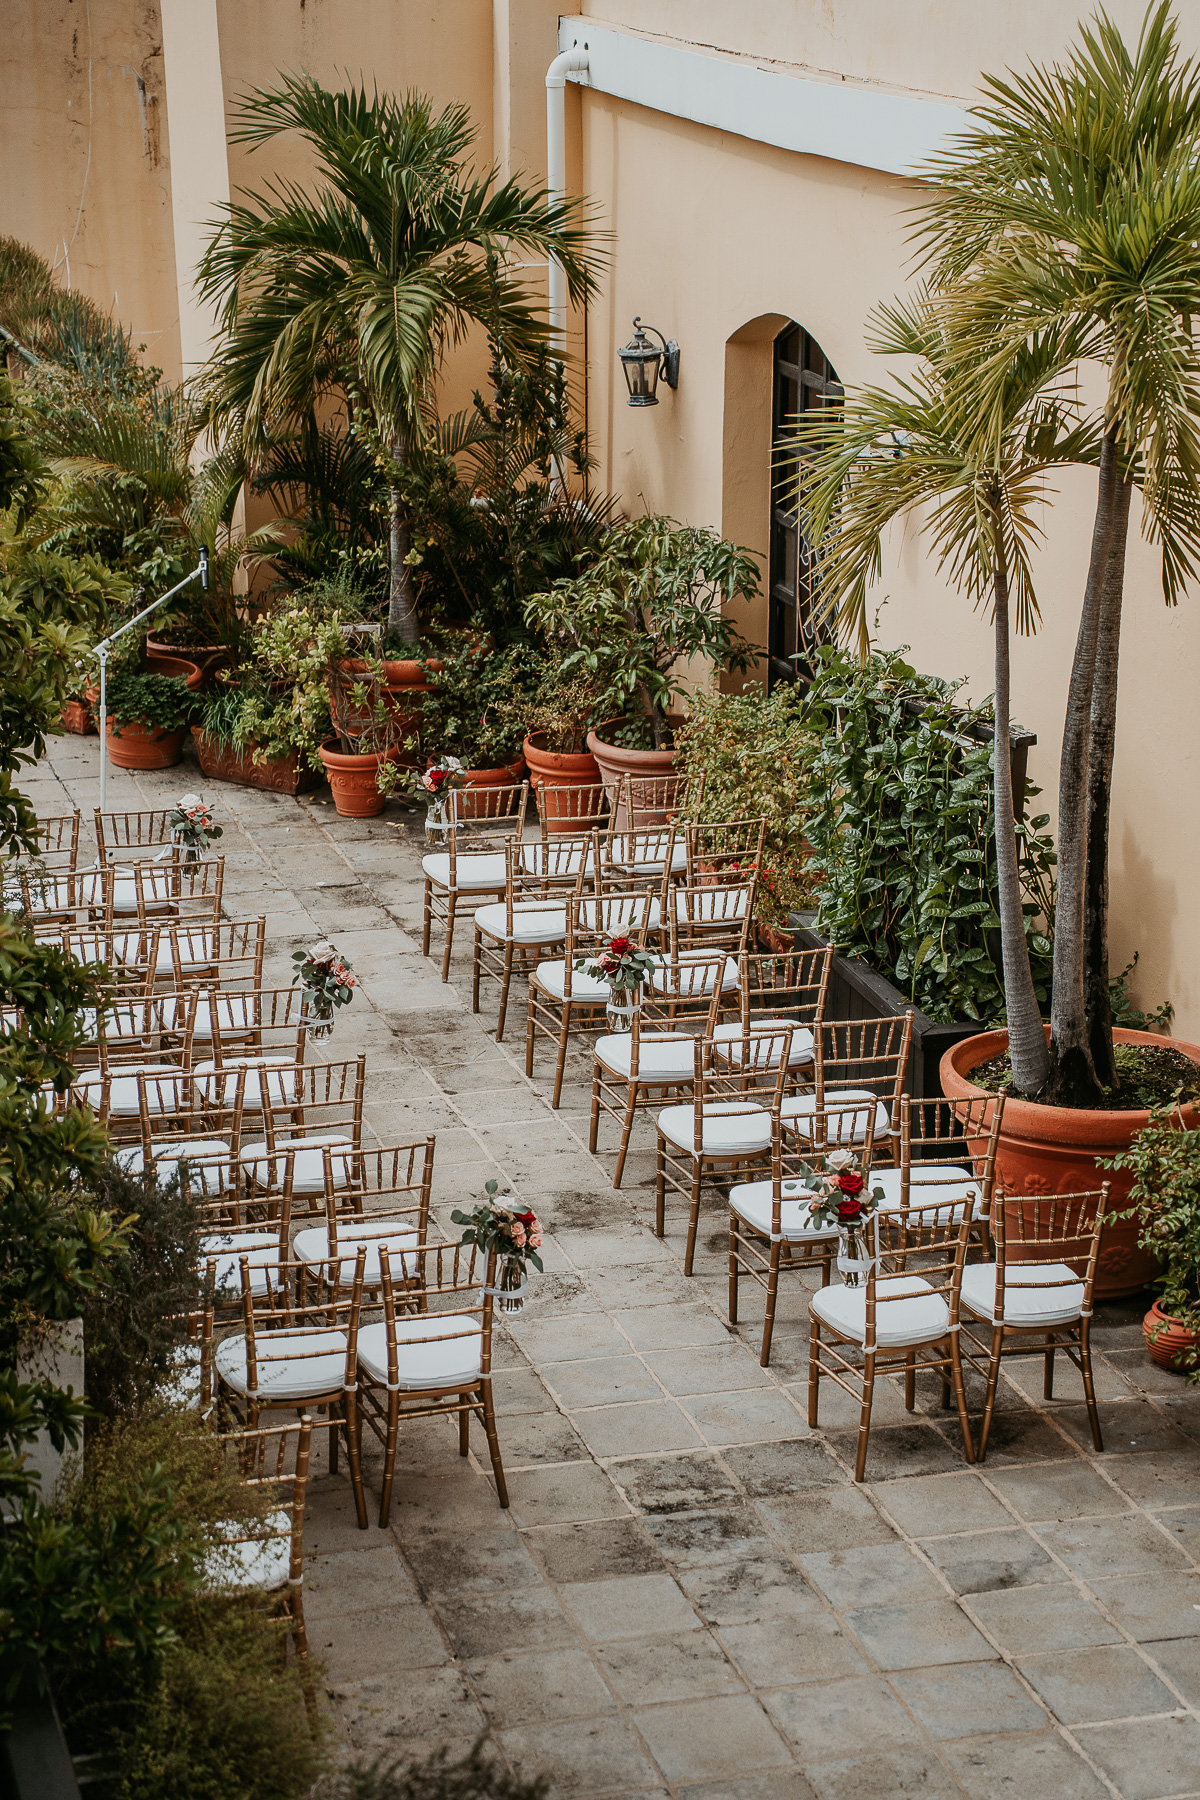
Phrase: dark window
[803,379]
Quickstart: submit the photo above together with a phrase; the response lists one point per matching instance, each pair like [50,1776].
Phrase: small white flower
[322,952]
[188,801]
[839,1160]
[451,762]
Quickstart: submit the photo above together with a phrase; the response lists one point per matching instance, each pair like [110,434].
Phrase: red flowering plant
[841,1194]
[625,966]
[327,977]
[502,1229]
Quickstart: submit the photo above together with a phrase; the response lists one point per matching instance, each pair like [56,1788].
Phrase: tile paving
[688,1595]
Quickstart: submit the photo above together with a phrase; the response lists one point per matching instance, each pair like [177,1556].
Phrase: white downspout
[571,62]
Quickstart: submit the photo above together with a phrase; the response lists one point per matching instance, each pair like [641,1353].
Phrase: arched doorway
[803,379]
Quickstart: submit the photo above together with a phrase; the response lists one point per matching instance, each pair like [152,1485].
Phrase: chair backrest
[687,989]
[954,1132]
[730,850]
[173,1110]
[308,1100]
[927,1245]
[289,1318]
[162,891]
[718,1081]
[561,807]
[58,838]
[647,800]
[850,1125]
[38,892]
[792,984]
[456,1279]
[594,918]
[214,953]
[635,859]
[274,1459]
[134,1028]
[239,1022]
[503,808]
[388,1169]
[711,913]
[131,955]
[1034,1230]
[864,1053]
[127,833]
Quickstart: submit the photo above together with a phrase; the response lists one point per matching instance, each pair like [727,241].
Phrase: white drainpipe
[571,62]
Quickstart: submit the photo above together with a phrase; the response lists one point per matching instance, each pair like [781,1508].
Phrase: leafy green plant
[472,708]
[1164,1160]
[903,833]
[263,717]
[161,702]
[314,652]
[755,752]
[654,598]
[562,709]
[1128,1017]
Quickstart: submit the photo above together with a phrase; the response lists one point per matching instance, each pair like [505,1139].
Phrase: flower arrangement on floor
[626,967]
[192,823]
[515,1237]
[440,780]
[328,982]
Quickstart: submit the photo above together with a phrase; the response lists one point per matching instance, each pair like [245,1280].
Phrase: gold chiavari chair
[311,1109]
[713,915]
[566,808]
[772,1230]
[472,865]
[903,1315]
[431,1354]
[644,801]
[129,835]
[113,1087]
[948,1146]
[724,851]
[385,1202]
[1038,1292]
[41,886]
[226,953]
[780,988]
[532,917]
[857,1059]
[723,1130]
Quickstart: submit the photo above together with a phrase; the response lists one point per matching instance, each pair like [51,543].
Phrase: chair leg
[864,1418]
[960,1397]
[505,984]
[464,1425]
[564,1032]
[660,1192]
[475,970]
[530,1033]
[295,1606]
[389,1458]
[689,1254]
[489,1426]
[910,1381]
[427,920]
[626,1134]
[814,1369]
[1089,1390]
[772,1297]
[990,1401]
[353,1441]
[594,1127]
[1048,1372]
[334,1433]
[734,1270]
[451,904]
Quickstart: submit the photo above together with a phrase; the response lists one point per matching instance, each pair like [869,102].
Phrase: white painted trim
[865,126]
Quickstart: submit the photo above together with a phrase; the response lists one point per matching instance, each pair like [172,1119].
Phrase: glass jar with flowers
[626,966]
[192,826]
[841,1198]
[328,982]
[513,1237]
[440,782]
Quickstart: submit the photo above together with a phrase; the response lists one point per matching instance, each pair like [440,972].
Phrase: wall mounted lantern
[641,361]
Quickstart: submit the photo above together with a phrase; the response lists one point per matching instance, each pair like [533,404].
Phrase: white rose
[188,801]
[322,952]
[839,1160]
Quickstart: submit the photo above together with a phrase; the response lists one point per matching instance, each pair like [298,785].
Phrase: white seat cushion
[308,1176]
[586,990]
[850,1128]
[162,1096]
[227,1249]
[480,873]
[292,1365]
[751,1201]
[426,1356]
[694,985]
[949,1183]
[907,1311]
[729,1128]
[533,923]
[664,1060]
[233,1011]
[1023,1305]
[184,1385]
[210,1162]
[264,1563]
[312,1246]
[644,851]
[278,1074]
[764,1055]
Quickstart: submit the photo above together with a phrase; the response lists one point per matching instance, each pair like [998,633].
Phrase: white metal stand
[102,650]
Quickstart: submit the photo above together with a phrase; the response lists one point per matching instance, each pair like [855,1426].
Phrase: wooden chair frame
[870,1055]
[591,917]
[238,947]
[538,884]
[489,806]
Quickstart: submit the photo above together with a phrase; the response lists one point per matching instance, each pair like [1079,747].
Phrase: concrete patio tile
[1056,1491]
[1012,1765]
[476,1562]
[1129,1545]
[623,1285]
[917,1637]
[595,1551]
[1131,1428]
[706,1369]
[699,1539]
[1027,1620]
[781,1651]
[987,1561]
[668,1484]
[823,1719]
[352,1581]
[629,1606]
[655,1670]
[517,1686]
[545,1437]
[778,1784]
[518,1390]
[357,1646]
[736,1593]
[1179,1659]
[650,1425]
[716,1737]
[893,1777]
[902,1450]
[1081,1686]
[600,1381]
[427,1703]
[966,1700]
[1163,1477]
[745,1418]
[1146,1758]
[765,1470]
[667,1327]
[872,1575]
[929,1506]
[483,1624]
[562,1496]
[584,1757]
[1154,1606]
[601,1249]
[838,1515]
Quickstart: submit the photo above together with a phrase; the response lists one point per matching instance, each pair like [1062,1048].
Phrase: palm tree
[364,284]
[887,452]
[1073,207]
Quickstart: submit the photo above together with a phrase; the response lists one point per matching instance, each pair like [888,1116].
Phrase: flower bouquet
[515,1238]
[626,967]
[192,826]
[440,782]
[328,982]
[841,1198]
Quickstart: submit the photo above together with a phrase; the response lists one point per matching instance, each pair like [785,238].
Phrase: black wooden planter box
[857,992]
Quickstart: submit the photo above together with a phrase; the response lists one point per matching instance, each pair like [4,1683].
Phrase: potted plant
[251,732]
[1164,1163]
[556,719]
[655,598]
[472,717]
[147,718]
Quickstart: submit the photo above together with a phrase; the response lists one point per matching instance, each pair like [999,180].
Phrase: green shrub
[475,1776]
[162,702]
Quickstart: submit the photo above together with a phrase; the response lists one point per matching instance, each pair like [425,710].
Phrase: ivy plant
[902,831]
[161,702]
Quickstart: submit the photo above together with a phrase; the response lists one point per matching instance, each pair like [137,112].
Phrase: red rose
[435,777]
[527,1219]
[618,946]
[850,1210]
[850,1183]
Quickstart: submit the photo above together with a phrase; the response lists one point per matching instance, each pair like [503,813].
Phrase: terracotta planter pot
[210,659]
[615,763]
[1166,1338]
[556,770]
[281,775]
[189,673]
[478,781]
[144,746]
[77,717]
[1053,1150]
[354,781]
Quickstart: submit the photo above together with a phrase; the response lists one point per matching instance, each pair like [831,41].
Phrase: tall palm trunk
[1072,1077]
[1097,1000]
[1026,1036]
[402,602]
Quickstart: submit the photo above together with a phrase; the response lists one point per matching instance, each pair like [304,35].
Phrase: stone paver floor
[689,1595]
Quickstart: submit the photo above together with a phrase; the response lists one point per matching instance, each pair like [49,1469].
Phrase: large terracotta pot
[281,775]
[1053,1150]
[144,746]
[77,717]
[188,672]
[478,781]
[210,659]
[615,763]
[1167,1337]
[354,781]
[559,771]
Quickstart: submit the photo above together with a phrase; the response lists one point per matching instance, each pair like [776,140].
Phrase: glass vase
[189,851]
[853,1257]
[622,1004]
[437,824]
[316,1016]
[512,1284]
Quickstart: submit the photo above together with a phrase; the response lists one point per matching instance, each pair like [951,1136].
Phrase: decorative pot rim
[365,759]
[511,769]
[140,727]
[1156,1306]
[600,746]
[1072,1127]
[558,756]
